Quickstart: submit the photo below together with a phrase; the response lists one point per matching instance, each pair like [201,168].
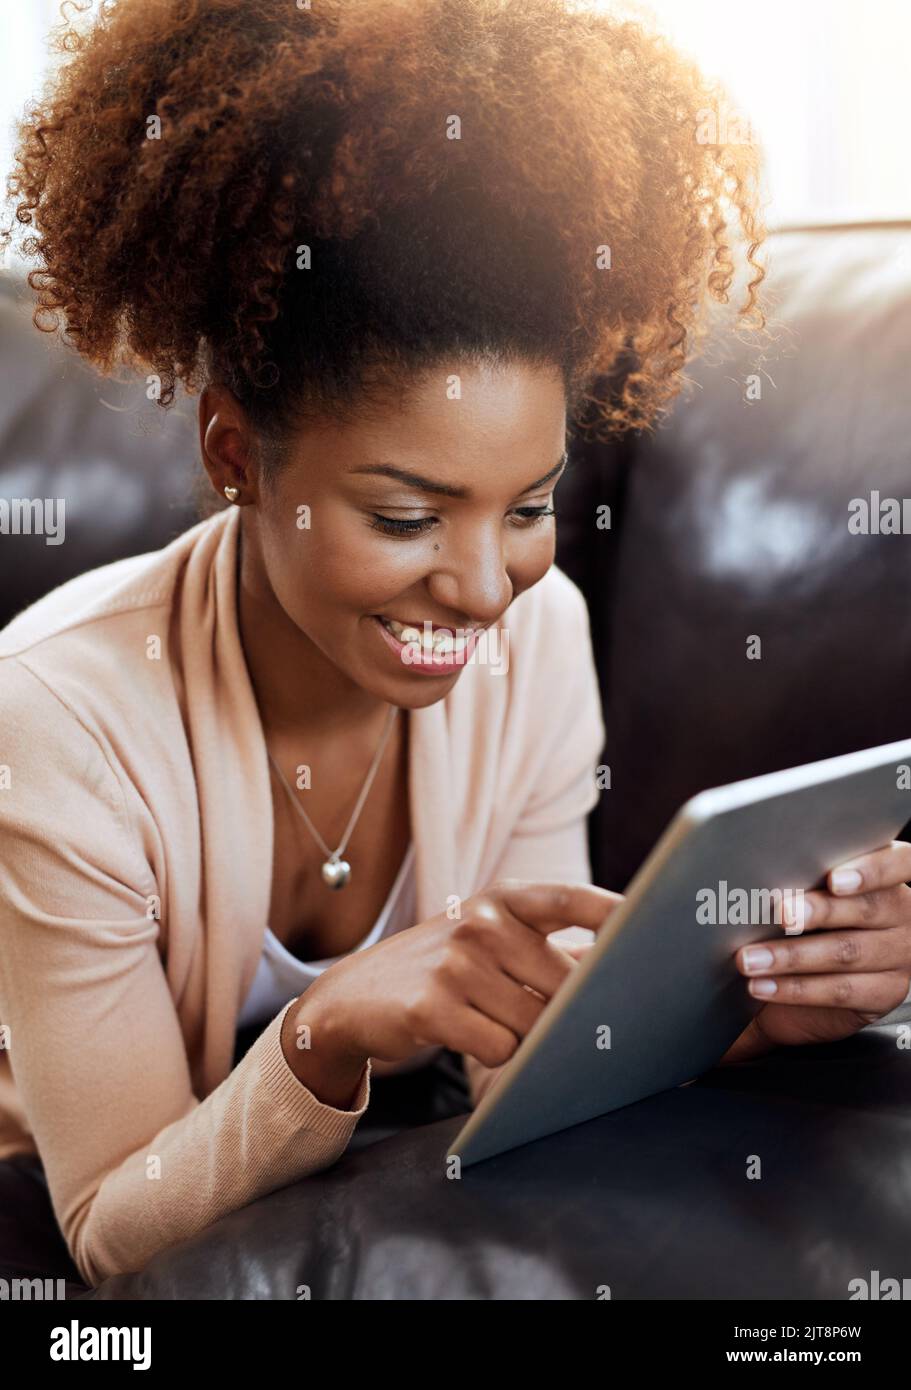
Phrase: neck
[294,682]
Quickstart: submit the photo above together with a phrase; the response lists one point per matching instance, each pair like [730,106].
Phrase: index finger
[548,906]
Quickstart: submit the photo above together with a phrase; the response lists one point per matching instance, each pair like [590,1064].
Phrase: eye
[530,516]
[395,526]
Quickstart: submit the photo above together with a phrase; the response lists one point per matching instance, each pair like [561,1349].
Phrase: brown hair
[186,153]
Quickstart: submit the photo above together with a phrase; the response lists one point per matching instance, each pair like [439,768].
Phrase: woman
[323,763]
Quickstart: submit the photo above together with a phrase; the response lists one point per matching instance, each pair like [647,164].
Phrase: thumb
[575,941]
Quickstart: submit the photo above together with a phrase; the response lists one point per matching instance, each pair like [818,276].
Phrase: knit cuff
[296,1100]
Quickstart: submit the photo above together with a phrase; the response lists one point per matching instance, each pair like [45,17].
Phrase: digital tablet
[658,1000]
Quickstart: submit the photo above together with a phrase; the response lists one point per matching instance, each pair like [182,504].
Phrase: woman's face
[431,512]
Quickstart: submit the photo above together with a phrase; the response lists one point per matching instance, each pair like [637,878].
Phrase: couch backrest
[123,466]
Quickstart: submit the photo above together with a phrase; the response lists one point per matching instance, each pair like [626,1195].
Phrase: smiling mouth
[431,637]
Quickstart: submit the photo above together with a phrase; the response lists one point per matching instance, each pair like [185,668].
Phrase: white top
[281,977]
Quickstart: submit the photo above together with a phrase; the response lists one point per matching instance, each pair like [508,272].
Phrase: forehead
[466,418]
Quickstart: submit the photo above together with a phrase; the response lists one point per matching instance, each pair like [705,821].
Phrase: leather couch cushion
[653,1200]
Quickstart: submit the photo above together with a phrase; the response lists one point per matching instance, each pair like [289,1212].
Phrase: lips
[439,653]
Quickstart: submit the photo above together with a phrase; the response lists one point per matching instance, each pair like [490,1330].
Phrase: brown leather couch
[730,521]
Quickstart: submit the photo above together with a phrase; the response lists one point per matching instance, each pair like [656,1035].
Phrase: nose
[473,577]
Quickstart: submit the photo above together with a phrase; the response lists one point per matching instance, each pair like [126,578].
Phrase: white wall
[23,60]
[826,84]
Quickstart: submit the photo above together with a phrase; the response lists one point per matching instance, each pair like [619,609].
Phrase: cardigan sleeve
[135,1161]
[549,841]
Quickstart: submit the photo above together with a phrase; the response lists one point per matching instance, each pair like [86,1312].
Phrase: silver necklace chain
[336,871]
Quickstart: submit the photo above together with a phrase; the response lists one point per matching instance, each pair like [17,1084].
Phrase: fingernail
[846,880]
[763,988]
[758,958]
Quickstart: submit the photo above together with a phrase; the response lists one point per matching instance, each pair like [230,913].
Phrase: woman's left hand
[821,988]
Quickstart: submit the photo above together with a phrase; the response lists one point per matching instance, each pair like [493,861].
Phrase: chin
[412,693]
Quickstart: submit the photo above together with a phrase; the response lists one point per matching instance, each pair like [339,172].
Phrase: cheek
[327,573]
[348,570]
[532,556]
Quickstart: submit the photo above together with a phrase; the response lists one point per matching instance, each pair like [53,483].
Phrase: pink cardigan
[136,845]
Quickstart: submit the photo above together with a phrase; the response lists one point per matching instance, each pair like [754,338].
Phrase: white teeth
[440,640]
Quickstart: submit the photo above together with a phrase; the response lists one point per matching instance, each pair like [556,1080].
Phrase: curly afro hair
[309,200]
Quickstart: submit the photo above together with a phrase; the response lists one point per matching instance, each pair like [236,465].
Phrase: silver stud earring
[232,493]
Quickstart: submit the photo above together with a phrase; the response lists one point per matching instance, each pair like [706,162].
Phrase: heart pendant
[336,872]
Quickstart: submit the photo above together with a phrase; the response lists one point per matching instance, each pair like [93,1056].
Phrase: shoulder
[81,641]
[549,636]
[55,771]
[554,599]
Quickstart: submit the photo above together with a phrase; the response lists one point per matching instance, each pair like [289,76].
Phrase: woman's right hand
[474,985]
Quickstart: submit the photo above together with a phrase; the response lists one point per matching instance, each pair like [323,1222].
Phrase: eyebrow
[389,470]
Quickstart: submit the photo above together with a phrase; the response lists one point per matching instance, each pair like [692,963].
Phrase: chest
[311,919]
